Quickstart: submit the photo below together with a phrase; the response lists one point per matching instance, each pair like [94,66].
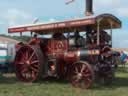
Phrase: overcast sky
[17,12]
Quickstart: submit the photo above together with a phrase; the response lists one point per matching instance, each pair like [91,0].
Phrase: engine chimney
[89,7]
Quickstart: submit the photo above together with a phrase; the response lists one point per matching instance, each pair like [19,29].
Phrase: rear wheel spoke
[23,56]
[33,74]
[34,69]
[20,63]
[26,55]
[35,65]
[35,61]
[31,56]
[24,70]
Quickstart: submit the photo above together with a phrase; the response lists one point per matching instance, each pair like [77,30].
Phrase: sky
[18,12]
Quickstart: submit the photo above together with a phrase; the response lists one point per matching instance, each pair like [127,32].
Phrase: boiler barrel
[86,52]
[80,54]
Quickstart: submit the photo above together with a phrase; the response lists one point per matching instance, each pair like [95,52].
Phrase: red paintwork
[59,49]
[57,46]
[34,41]
[72,56]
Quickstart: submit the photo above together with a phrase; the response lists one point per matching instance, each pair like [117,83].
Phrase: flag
[69,1]
[35,20]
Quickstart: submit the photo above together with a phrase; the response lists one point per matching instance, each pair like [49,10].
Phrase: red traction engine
[78,50]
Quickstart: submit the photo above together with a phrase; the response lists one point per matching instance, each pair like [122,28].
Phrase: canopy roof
[105,22]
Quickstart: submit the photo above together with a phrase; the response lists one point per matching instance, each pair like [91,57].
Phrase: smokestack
[89,7]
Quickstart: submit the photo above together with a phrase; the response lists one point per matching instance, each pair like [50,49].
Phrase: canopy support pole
[31,33]
[20,33]
[111,25]
[98,32]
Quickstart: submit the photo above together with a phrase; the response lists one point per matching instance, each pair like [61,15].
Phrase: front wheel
[82,75]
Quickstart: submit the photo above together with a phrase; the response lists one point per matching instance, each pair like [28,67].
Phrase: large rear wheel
[28,63]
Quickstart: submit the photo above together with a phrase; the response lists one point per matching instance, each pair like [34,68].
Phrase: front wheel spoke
[83,68]
[86,71]
[76,70]
[88,80]
[77,80]
[86,75]
[74,77]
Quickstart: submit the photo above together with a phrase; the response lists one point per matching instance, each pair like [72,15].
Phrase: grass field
[10,86]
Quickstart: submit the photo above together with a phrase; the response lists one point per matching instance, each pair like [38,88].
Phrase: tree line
[18,38]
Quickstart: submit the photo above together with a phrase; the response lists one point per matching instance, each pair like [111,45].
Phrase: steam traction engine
[79,50]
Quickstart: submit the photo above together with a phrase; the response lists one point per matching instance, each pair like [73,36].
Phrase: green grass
[10,86]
